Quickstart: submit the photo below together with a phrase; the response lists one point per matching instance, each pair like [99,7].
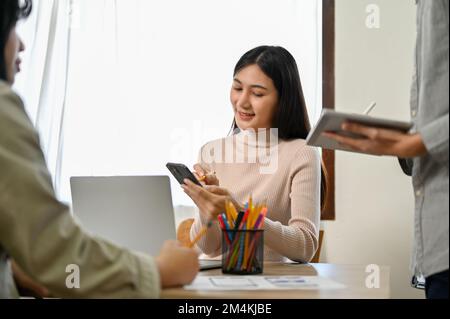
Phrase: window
[148,82]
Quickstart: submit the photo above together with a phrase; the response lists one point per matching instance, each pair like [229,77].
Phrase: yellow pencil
[200,235]
[227,211]
[233,212]
[255,215]
[250,211]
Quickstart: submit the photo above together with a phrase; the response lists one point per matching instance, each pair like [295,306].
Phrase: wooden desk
[352,276]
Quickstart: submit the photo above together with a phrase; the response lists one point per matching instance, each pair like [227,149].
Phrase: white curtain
[148,81]
[43,83]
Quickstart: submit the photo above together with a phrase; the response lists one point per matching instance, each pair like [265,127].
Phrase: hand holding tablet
[331,122]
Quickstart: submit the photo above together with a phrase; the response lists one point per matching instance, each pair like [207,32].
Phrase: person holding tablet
[423,151]
[39,233]
[270,117]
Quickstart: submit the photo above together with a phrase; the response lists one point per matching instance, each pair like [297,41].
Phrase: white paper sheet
[221,283]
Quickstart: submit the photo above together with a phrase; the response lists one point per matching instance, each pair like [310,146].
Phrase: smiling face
[254,99]
[14,46]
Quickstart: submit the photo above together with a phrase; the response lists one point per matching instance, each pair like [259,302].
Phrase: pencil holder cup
[243,252]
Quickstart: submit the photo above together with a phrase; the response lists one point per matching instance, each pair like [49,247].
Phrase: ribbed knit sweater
[291,191]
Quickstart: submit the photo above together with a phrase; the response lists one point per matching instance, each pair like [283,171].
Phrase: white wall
[374,200]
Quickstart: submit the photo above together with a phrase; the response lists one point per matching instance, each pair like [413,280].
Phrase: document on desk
[220,283]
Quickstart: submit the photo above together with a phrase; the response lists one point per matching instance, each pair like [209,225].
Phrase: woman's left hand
[210,200]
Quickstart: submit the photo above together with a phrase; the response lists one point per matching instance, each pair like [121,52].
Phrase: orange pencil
[264,212]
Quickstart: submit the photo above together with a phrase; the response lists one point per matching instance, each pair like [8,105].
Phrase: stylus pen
[203,178]
[370,108]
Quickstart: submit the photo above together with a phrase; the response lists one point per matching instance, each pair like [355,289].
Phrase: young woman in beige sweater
[266,157]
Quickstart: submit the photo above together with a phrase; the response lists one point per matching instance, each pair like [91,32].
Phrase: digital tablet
[331,121]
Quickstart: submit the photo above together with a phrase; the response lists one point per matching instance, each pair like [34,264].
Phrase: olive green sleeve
[40,234]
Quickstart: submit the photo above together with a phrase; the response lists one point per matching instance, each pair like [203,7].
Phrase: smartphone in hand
[181,172]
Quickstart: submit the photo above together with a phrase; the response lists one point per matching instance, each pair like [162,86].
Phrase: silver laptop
[135,212]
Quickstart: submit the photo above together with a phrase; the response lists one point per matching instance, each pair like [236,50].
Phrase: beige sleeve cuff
[150,286]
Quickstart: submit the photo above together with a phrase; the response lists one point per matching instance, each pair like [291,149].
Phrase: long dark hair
[291,117]
[11,11]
